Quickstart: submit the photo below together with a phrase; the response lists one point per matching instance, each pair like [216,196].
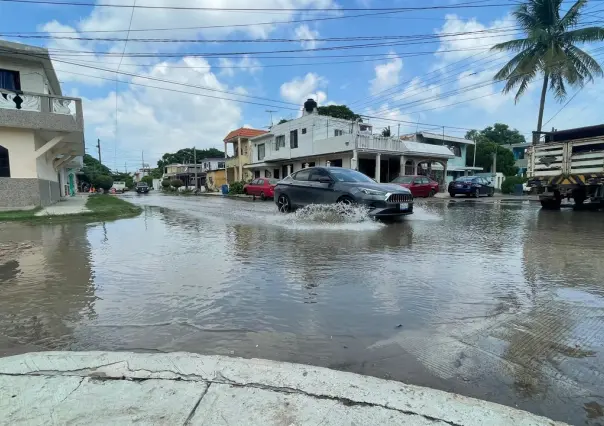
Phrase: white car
[119,186]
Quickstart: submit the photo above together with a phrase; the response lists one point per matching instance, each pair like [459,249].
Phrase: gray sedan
[329,185]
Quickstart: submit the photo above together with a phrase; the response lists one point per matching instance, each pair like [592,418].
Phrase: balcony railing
[380,143]
[25,101]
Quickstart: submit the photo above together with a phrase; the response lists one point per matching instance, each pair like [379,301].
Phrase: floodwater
[500,301]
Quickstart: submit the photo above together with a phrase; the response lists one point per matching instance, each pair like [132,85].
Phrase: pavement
[68,205]
[85,388]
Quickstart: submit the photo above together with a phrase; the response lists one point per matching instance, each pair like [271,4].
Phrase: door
[484,186]
[427,186]
[321,192]
[417,187]
[252,189]
[299,193]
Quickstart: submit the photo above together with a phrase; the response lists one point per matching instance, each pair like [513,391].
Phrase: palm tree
[549,49]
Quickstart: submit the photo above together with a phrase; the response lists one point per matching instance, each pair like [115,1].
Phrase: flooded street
[499,301]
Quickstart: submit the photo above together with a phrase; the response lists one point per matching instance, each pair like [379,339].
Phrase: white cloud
[386,75]
[301,88]
[159,121]
[308,36]
[248,64]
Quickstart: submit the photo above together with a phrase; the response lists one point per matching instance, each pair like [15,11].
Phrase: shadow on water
[501,302]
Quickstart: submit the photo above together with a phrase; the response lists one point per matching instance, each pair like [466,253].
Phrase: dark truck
[142,188]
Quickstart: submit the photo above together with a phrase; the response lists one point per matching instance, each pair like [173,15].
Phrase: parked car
[420,186]
[119,186]
[471,186]
[330,185]
[142,188]
[261,187]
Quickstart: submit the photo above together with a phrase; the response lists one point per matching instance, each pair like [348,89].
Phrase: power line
[564,106]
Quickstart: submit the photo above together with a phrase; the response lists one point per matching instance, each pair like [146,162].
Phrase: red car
[261,187]
[420,186]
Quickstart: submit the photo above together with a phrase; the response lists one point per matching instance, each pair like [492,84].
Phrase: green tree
[339,111]
[103,182]
[484,157]
[386,132]
[549,49]
[185,156]
[148,180]
[93,168]
[499,133]
[176,183]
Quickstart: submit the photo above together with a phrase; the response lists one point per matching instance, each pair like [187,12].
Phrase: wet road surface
[500,301]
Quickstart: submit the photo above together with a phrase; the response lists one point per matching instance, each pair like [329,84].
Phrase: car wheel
[283,204]
[491,193]
[477,193]
[346,201]
[262,196]
[452,194]
[432,192]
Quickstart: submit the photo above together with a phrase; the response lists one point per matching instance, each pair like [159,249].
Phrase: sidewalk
[495,197]
[68,205]
[180,388]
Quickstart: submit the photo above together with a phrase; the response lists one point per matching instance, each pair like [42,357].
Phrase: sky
[155,80]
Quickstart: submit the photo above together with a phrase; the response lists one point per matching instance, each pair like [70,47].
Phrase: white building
[209,164]
[317,140]
[41,131]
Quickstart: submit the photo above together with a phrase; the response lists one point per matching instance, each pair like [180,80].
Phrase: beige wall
[33,77]
[20,145]
[45,168]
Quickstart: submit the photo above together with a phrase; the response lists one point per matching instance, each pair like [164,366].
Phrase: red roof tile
[244,132]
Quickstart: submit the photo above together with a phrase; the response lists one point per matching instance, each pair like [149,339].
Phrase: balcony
[44,113]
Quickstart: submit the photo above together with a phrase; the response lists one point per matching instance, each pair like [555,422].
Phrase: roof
[37,54]
[419,148]
[576,133]
[243,132]
[260,137]
[447,138]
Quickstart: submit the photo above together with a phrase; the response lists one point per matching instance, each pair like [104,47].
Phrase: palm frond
[524,72]
[526,20]
[590,63]
[572,16]
[557,86]
[513,63]
[514,45]
[584,35]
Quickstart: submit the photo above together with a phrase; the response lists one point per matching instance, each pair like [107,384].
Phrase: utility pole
[399,130]
[195,163]
[125,168]
[143,161]
[475,149]
[98,147]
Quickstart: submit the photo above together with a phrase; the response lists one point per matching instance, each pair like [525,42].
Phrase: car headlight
[371,191]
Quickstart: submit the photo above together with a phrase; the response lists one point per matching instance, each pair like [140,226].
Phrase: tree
[124,177]
[104,182]
[386,132]
[339,111]
[176,183]
[148,180]
[500,133]
[484,157]
[186,156]
[93,168]
[549,49]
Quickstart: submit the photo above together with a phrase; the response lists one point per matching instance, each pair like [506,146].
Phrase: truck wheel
[551,204]
[578,196]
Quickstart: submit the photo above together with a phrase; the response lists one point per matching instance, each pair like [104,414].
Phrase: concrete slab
[69,205]
[319,384]
[264,407]
[40,400]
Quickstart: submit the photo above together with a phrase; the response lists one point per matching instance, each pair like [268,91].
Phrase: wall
[217,177]
[21,151]
[23,193]
[45,169]
[32,75]
[346,158]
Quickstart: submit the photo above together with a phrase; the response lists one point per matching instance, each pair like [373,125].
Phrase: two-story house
[456,166]
[318,140]
[241,147]
[41,131]
[215,171]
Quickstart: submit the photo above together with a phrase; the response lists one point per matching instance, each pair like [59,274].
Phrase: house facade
[241,147]
[316,140]
[520,156]
[215,170]
[456,166]
[41,131]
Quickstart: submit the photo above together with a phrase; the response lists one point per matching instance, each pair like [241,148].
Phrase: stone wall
[24,193]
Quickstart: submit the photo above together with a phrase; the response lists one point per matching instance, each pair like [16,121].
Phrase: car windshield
[142,184]
[465,179]
[347,175]
[403,179]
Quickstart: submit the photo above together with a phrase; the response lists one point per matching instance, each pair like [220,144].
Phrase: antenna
[270,111]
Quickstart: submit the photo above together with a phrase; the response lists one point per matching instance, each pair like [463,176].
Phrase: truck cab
[569,164]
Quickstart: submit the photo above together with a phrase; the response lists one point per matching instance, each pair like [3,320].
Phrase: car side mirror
[325,179]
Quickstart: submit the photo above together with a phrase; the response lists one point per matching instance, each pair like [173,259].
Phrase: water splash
[332,213]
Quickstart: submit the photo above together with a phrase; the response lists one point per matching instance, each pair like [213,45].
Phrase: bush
[165,184]
[236,188]
[507,187]
[148,180]
[103,182]
[176,183]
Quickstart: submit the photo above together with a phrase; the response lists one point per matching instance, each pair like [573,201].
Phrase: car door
[251,188]
[321,192]
[258,186]
[484,186]
[299,192]
[417,189]
[425,186]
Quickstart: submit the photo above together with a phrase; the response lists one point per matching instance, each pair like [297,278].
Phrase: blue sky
[441,79]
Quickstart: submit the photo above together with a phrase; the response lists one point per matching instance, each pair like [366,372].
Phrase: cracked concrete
[183,388]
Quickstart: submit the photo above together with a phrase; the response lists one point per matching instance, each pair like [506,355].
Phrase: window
[276,173]
[9,80]
[336,163]
[279,142]
[317,174]
[293,139]
[261,152]
[304,131]
[425,180]
[455,149]
[346,175]
[221,164]
[4,164]
[338,132]
[302,175]
[256,175]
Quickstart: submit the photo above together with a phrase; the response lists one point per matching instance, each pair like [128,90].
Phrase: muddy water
[498,301]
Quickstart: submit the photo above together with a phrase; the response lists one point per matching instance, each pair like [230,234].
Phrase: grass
[101,207]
